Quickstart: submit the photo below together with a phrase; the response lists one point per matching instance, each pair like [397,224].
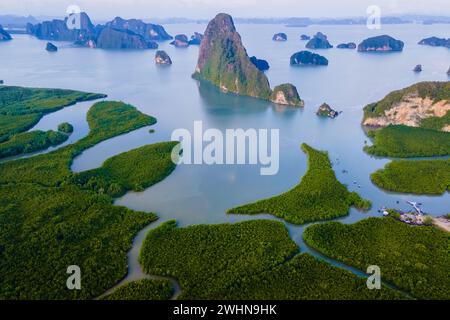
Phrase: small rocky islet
[50,47]
[180,41]
[261,64]
[350,45]
[435,42]
[162,58]
[305,37]
[4,35]
[383,43]
[196,39]
[326,111]
[223,62]
[279,37]
[319,41]
[308,58]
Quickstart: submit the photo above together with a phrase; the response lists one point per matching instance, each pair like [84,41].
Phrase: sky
[204,9]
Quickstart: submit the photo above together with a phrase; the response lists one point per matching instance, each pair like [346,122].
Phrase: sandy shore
[442,223]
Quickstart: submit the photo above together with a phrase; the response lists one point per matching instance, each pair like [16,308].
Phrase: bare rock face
[286,94]
[382,43]
[410,106]
[161,57]
[224,62]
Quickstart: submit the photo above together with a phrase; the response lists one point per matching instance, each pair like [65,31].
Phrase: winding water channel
[201,194]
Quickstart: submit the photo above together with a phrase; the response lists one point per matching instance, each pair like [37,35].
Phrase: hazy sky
[105,9]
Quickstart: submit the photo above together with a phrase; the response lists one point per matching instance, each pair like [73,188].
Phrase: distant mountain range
[17,22]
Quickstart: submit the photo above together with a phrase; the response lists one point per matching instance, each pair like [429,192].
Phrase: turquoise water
[200,193]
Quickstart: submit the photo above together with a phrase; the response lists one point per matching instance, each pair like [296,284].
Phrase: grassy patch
[143,290]
[418,177]
[436,123]
[319,195]
[403,142]
[415,259]
[248,260]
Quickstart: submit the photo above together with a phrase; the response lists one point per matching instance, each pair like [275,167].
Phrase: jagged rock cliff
[410,106]
[224,62]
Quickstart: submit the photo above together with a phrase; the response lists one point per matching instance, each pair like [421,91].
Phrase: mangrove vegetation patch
[318,196]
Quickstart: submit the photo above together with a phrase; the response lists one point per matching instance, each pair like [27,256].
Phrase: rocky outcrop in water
[110,38]
[223,61]
[279,37]
[305,37]
[350,45]
[261,64]
[382,43]
[161,57]
[435,42]
[326,111]
[418,68]
[149,31]
[4,35]
[50,47]
[57,30]
[180,41]
[116,34]
[319,41]
[308,58]
[286,94]
[196,39]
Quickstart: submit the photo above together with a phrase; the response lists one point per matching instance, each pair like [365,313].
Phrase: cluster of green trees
[415,259]
[318,196]
[436,123]
[65,127]
[418,177]
[133,170]
[21,108]
[145,289]
[32,141]
[248,260]
[49,223]
[404,142]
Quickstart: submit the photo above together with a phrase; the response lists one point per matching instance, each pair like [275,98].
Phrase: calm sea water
[200,193]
